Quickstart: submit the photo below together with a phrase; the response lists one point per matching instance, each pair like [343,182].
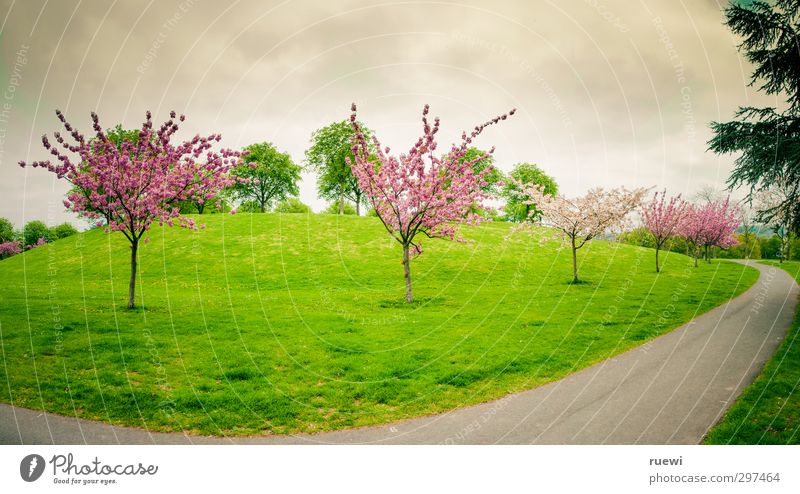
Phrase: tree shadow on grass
[139,309]
[579,282]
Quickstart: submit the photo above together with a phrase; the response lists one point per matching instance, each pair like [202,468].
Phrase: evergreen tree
[768,139]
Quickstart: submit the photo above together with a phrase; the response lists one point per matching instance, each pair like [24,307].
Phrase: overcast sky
[608,92]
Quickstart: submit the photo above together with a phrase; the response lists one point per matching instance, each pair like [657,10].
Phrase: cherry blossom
[420,192]
[663,218]
[577,221]
[128,183]
[712,224]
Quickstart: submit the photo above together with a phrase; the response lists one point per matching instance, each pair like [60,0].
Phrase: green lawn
[285,323]
[768,411]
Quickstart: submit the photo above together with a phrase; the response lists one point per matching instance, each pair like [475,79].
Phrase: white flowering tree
[770,204]
[577,221]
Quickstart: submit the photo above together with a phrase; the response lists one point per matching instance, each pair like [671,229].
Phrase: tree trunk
[657,268]
[782,253]
[747,249]
[708,257]
[696,255]
[341,203]
[574,262]
[132,286]
[200,208]
[263,207]
[358,205]
[407,272]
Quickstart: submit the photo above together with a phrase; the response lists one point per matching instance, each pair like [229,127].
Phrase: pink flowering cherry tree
[579,220]
[693,228]
[419,192]
[126,184]
[662,218]
[725,219]
[712,224]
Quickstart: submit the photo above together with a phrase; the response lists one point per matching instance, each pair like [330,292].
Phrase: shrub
[292,205]
[333,208]
[63,230]
[638,236]
[249,207]
[643,238]
[41,241]
[9,248]
[35,230]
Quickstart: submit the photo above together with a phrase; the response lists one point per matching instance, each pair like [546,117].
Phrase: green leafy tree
[192,207]
[267,176]
[771,248]
[767,140]
[118,135]
[679,245]
[517,208]
[292,205]
[249,207]
[6,231]
[748,247]
[34,230]
[63,230]
[330,149]
[493,177]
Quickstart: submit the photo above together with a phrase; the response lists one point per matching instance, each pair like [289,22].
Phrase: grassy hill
[285,323]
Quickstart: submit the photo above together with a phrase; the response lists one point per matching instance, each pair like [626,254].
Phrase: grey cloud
[599,98]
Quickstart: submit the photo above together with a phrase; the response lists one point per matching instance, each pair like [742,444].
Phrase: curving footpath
[670,390]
